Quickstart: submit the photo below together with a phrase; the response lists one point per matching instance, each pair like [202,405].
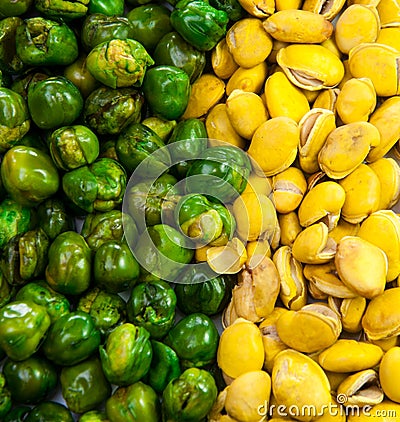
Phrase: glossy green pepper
[150,22]
[233,8]
[94,416]
[98,28]
[54,217]
[49,411]
[190,397]
[165,366]
[194,339]
[78,74]
[108,111]
[202,290]
[14,219]
[62,9]
[99,228]
[54,102]
[119,63]
[137,143]
[173,50]
[22,82]
[69,268]
[5,295]
[23,325]
[99,186]
[126,355]
[199,23]
[114,8]
[39,292]
[156,201]
[84,386]
[24,257]
[17,414]
[135,403]
[108,310]
[152,305]
[163,251]
[222,170]
[14,118]
[5,397]
[29,175]
[14,7]
[9,60]
[44,42]
[71,339]
[167,91]
[115,269]
[31,380]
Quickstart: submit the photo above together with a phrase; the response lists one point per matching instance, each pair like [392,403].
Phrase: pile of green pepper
[89,91]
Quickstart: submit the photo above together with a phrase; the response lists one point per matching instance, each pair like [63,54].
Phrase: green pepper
[22,82]
[150,22]
[163,128]
[54,218]
[152,305]
[25,257]
[39,292]
[190,397]
[163,251]
[14,7]
[194,339]
[222,170]
[98,28]
[17,414]
[106,7]
[156,201]
[115,269]
[14,219]
[119,63]
[199,23]
[23,325]
[165,366]
[99,186]
[94,416]
[44,42]
[108,111]
[29,175]
[49,411]
[71,339]
[233,8]
[138,143]
[5,397]
[173,50]
[5,294]
[14,118]
[84,386]
[54,102]
[9,60]
[107,149]
[69,268]
[199,289]
[126,355]
[135,403]
[78,74]
[167,90]
[31,380]
[62,9]
[108,310]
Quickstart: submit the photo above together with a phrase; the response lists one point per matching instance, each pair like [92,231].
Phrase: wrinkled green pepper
[31,380]
[167,91]
[44,42]
[126,355]
[84,386]
[173,50]
[195,340]
[39,292]
[24,257]
[62,9]
[108,310]
[22,82]
[69,268]
[199,23]
[5,397]
[49,410]
[152,305]
[23,325]
[5,295]
[163,128]
[135,403]
[190,397]
[9,60]
[119,63]
[202,290]
[71,339]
